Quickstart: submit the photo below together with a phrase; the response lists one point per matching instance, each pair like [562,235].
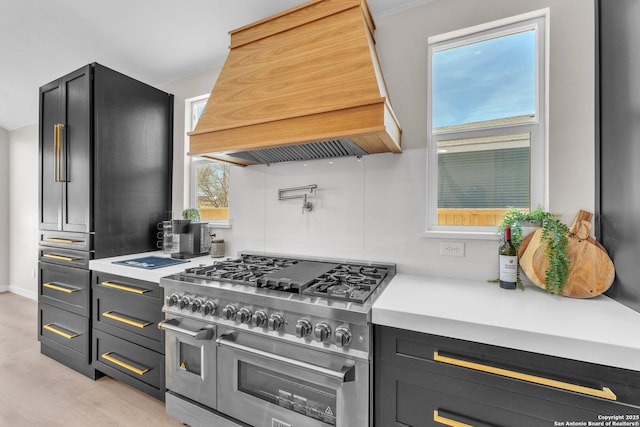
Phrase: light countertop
[106,265]
[596,330]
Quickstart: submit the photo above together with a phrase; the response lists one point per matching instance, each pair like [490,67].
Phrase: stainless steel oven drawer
[65,287]
[128,317]
[66,240]
[68,257]
[65,331]
[130,363]
[261,383]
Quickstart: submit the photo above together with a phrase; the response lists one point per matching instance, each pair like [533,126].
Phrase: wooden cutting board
[591,271]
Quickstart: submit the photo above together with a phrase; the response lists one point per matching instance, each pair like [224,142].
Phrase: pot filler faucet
[306,205]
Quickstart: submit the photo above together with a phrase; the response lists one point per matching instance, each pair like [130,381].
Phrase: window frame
[192,162]
[537,127]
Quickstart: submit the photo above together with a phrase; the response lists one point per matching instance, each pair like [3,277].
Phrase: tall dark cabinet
[618,166]
[105,182]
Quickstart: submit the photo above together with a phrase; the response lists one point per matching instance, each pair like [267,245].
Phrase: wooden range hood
[302,84]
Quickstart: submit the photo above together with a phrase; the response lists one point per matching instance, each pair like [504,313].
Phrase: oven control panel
[297,327]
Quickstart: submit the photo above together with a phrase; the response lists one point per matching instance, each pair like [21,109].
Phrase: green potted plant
[555,236]
[191,214]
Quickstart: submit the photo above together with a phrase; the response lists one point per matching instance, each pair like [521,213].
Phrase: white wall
[23,211]
[4,209]
[196,85]
[375,209]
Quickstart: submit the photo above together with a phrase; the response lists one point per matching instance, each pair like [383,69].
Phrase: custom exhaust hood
[303,84]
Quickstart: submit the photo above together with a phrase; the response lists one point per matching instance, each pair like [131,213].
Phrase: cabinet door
[76,138]
[65,153]
[50,190]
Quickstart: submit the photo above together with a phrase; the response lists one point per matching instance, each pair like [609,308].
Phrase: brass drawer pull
[119,318]
[60,288]
[57,151]
[58,331]
[126,288]
[59,257]
[58,240]
[111,358]
[604,393]
[447,421]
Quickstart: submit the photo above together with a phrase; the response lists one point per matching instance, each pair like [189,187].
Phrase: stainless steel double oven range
[275,341]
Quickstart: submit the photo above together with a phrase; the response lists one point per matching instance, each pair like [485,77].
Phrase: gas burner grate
[349,282]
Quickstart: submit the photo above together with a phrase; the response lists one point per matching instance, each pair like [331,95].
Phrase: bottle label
[508,268]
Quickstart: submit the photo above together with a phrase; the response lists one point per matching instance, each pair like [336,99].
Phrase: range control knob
[172,300]
[229,312]
[245,314]
[343,336]
[259,319]
[276,322]
[303,328]
[196,305]
[184,302]
[322,332]
[209,308]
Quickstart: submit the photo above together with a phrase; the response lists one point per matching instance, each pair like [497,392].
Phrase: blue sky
[487,80]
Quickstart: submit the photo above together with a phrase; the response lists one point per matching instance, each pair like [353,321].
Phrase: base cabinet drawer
[128,318]
[427,380]
[67,257]
[131,363]
[64,287]
[64,329]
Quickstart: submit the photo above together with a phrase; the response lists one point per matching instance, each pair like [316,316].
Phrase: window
[486,123]
[209,181]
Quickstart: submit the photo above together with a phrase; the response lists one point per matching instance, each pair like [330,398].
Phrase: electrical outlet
[33,273]
[452,248]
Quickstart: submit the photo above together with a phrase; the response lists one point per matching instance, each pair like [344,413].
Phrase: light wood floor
[37,391]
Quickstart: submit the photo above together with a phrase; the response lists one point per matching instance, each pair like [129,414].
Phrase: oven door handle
[347,374]
[172,325]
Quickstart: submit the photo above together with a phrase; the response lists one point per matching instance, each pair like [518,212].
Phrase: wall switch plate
[452,248]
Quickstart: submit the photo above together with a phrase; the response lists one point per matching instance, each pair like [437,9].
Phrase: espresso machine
[191,239]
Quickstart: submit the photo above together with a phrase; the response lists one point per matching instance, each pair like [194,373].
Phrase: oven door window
[191,358]
[309,399]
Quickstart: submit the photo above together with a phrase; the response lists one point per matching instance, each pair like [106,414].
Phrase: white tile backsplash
[370,209]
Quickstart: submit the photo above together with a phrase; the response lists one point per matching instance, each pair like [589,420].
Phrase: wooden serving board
[591,271]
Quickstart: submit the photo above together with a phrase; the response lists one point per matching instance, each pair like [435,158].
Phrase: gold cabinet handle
[60,288]
[59,257]
[58,240]
[604,393]
[52,328]
[125,288]
[128,321]
[57,152]
[447,421]
[110,357]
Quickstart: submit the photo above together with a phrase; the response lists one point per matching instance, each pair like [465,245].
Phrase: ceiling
[155,41]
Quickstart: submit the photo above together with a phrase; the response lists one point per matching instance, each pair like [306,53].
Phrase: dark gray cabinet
[105,167]
[617,172]
[429,380]
[127,343]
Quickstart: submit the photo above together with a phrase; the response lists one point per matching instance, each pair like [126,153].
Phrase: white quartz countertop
[596,330]
[106,265]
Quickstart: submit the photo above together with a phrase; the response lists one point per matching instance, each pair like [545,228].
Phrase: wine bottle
[508,262]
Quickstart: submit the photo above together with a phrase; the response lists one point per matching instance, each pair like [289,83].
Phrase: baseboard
[22,292]
[4,288]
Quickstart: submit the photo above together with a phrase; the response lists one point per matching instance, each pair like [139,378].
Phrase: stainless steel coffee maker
[191,239]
